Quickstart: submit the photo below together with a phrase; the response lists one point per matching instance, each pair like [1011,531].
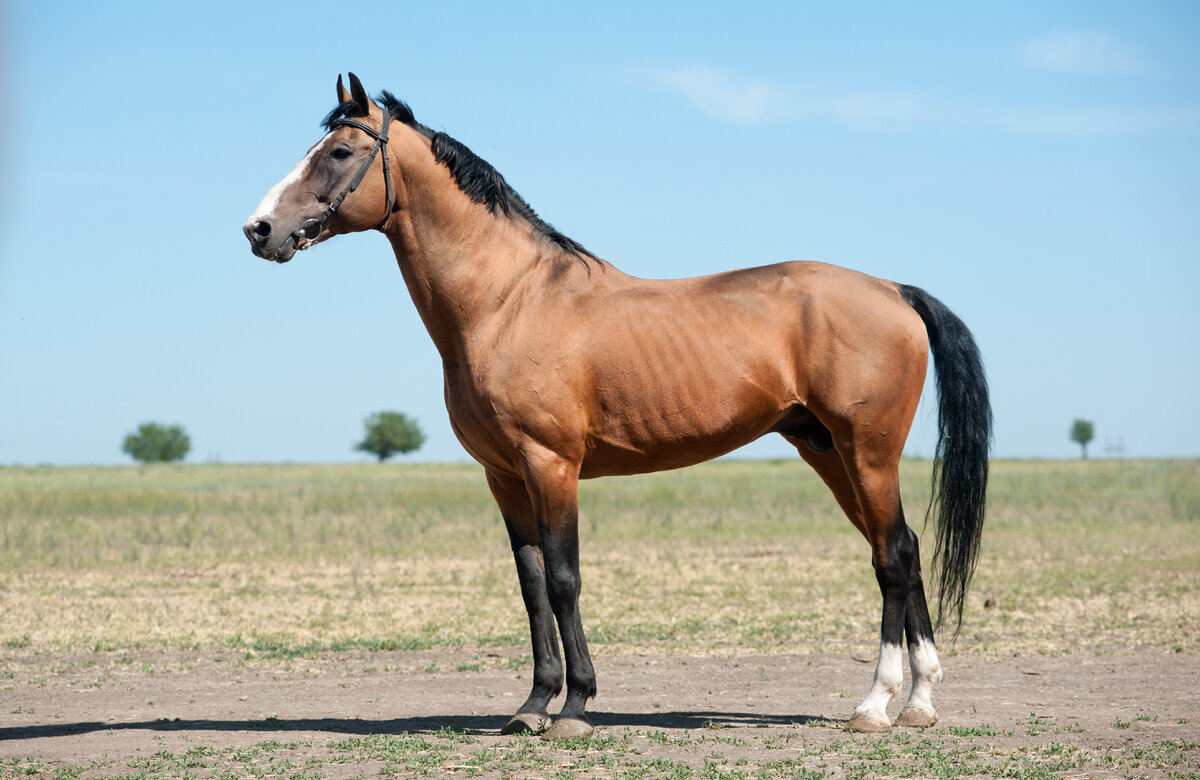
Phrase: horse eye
[340,154]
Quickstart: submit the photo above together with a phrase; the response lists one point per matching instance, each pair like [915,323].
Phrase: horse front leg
[553,487]
[517,510]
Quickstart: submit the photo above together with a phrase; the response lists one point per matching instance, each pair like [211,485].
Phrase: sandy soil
[110,709]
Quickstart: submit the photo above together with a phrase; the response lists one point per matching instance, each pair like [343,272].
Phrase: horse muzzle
[267,243]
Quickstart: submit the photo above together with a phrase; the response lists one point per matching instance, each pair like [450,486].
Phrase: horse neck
[459,261]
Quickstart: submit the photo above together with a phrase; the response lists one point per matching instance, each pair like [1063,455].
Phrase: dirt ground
[108,711]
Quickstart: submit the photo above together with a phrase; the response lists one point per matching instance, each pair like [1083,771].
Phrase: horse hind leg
[870,497]
[891,556]
[923,660]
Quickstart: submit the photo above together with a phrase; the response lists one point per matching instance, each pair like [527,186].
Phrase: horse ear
[342,95]
[359,95]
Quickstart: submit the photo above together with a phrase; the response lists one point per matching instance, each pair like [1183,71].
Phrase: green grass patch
[755,754]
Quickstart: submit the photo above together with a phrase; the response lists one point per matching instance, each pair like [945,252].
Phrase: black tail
[960,469]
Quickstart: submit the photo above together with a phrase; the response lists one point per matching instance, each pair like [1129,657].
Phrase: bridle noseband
[313,227]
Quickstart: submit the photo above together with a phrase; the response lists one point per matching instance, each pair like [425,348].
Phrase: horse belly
[678,402]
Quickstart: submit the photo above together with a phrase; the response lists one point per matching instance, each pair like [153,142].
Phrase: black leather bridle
[312,228]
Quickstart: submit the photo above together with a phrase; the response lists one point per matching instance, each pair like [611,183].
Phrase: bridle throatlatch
[313,227]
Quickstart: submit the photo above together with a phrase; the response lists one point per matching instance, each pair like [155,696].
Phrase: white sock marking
[926,671]
[889,677]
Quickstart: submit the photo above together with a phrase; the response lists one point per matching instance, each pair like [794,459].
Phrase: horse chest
[472,418]
[494,412]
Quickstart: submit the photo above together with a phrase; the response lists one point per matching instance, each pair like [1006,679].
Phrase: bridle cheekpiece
[313,227]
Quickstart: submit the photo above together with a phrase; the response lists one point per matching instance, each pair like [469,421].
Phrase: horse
[559,367]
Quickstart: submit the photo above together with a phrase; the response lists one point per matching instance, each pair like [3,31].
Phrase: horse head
[339,186]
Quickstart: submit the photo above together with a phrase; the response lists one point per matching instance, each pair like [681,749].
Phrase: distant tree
[154,443]
[1082,432]
[389,433]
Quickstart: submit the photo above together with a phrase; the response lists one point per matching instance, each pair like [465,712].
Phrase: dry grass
[727,557]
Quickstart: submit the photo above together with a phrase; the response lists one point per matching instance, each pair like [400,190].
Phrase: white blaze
[270,201]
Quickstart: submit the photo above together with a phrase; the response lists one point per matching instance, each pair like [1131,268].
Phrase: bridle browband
[313,227]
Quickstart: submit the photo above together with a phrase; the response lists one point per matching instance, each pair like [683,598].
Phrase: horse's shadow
[482,724]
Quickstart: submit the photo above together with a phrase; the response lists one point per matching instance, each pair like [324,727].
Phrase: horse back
[642,375]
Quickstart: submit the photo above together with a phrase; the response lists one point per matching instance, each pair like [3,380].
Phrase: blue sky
[1034,165]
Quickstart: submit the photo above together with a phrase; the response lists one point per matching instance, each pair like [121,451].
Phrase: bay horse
[559,367]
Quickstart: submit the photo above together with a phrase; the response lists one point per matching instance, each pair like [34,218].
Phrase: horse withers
[559,367]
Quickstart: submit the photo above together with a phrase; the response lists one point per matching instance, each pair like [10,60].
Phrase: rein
[313,227]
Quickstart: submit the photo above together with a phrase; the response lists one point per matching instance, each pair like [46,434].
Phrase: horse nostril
[262,228]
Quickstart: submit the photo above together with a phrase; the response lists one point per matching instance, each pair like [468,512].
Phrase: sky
[1035,165]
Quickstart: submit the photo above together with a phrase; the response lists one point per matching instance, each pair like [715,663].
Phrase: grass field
[723,558]
[119,584]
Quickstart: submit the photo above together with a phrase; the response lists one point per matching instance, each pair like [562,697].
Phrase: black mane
[475,176]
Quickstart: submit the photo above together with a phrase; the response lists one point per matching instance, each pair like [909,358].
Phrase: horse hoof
[916,717]
[566,728]
[526,723]
[868,724]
